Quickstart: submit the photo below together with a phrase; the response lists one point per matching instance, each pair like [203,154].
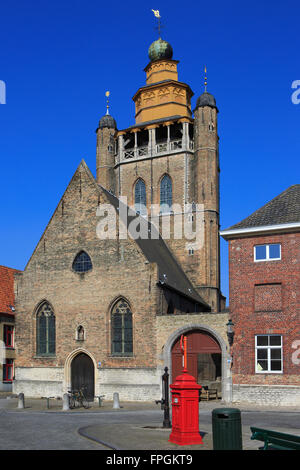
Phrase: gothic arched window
[82,262]
[121,329]
[166,194]
[45,330]
[140,197]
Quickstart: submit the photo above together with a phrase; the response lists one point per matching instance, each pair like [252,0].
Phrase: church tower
[167,159]
[206,193]
[105,154]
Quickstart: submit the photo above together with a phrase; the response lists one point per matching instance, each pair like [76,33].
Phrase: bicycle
[77,398]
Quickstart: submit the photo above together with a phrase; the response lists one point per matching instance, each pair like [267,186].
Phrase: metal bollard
[66,403]
[116,401]
[100,400]
[21,401]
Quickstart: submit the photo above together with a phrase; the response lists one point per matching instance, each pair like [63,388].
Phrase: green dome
[160,49]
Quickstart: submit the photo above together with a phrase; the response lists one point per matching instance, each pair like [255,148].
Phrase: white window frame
[268,347]
[267,245]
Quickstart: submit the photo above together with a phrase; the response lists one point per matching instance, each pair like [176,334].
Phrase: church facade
[108,291]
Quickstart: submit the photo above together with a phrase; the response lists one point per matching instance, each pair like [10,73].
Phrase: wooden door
[199,343]
[82,374]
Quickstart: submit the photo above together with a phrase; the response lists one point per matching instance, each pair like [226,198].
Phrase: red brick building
[264,284]
[7,320]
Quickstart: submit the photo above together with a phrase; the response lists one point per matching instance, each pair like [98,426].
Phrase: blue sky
[58,58]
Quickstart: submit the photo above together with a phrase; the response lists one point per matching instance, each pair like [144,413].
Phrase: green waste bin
[227,429]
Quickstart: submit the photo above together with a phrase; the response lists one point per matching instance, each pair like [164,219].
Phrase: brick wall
[119,269]
[264,299]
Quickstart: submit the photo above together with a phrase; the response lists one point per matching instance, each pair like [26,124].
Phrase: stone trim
[226,373]
[67,369]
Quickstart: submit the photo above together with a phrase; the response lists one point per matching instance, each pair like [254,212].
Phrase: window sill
[266,260]
[115,356]
[279,372]
[44,357]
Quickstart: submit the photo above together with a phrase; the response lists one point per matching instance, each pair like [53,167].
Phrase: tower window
[140,197]
[82,263]
[166,194]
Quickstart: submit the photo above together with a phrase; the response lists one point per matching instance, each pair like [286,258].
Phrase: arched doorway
[204,358]
[82,374]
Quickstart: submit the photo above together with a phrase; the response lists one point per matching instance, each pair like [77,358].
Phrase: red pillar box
[185,410]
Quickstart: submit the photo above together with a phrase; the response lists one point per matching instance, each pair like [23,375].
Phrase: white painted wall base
[131,384]
[278,395]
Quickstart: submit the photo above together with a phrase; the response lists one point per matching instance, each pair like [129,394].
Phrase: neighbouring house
[264,299]
[7,326]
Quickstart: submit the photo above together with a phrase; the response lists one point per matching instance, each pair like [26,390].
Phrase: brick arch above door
[198,342]
[175,335]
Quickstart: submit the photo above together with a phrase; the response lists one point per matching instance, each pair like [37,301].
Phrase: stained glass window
[166,194]
[140,197]
[45,330]
[121,334]
[82,263]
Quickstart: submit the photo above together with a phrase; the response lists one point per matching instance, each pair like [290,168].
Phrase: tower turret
[206,193]
[105,160]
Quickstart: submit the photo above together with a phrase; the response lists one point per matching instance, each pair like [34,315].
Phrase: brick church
[108,312]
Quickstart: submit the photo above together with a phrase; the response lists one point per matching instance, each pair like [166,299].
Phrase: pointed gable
[82,189]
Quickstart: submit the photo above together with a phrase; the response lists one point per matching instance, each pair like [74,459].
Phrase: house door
[82,374]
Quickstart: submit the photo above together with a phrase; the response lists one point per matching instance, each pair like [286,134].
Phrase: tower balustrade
[158,141]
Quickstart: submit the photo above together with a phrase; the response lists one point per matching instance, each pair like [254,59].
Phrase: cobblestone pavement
[135,426]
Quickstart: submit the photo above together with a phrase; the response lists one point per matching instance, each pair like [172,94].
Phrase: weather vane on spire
[205,80]
[107,93]
[157,15]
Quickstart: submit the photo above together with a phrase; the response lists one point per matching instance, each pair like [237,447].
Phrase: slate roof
[283,209]
[206,99]
[7,296]
[156,251]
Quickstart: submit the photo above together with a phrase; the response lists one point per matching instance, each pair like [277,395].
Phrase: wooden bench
[275,439]
[206,394]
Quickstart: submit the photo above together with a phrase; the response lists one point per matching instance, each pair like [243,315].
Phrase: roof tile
[7,296]
[283,209]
